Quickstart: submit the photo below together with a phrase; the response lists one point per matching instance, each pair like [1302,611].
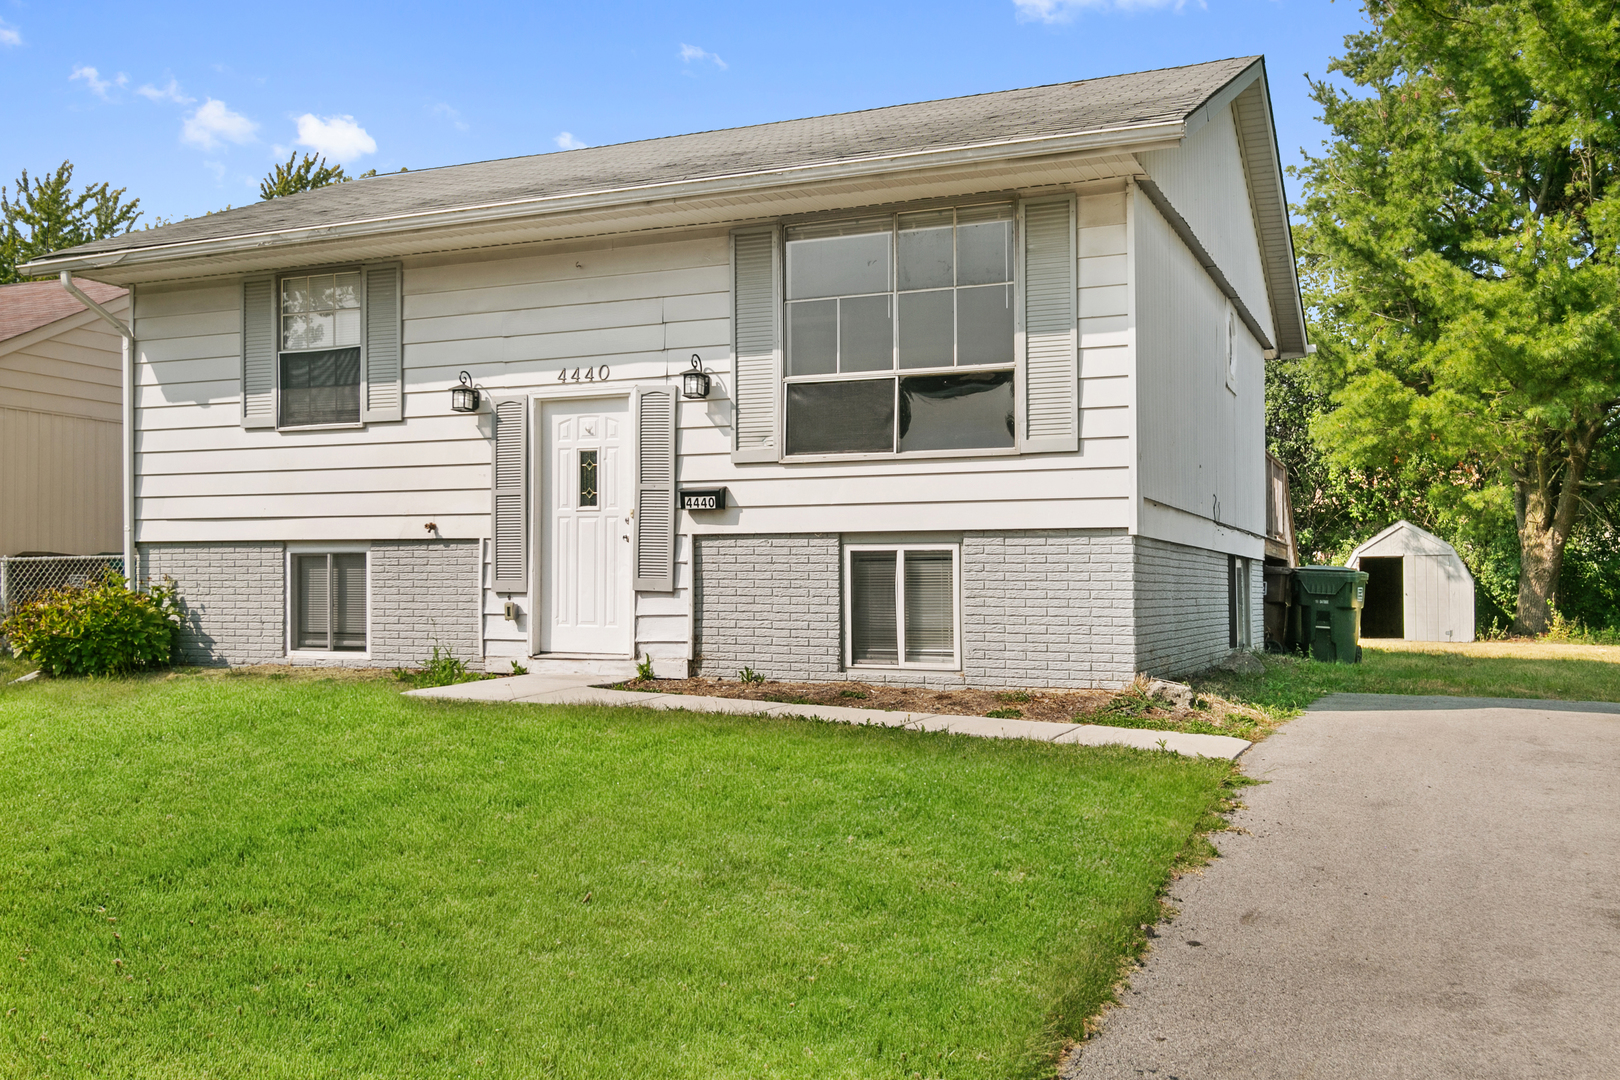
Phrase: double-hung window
[329,602]
[899,333]
[902,606]
[318,362]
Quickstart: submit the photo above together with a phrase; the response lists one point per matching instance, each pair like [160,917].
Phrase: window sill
[904,455]
[324,427]
[325,656]
[857,666]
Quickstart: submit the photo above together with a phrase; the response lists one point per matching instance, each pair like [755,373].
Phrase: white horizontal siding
[59,483]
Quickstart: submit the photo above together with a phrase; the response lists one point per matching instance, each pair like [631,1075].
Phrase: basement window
[902,608]
[329,602]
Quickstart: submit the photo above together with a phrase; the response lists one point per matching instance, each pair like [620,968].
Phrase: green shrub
[101,628]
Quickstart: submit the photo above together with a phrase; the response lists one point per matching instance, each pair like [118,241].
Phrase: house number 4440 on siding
[599,374]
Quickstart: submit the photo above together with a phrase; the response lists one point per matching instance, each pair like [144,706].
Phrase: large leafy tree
[46,215]
[1461,253]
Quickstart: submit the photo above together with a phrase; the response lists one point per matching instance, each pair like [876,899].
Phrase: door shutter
[1051,345]
[756,321]
[509,519]
[655,490]
[384,371]
[259,352]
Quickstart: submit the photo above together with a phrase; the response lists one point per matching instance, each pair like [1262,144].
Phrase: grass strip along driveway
[213,875]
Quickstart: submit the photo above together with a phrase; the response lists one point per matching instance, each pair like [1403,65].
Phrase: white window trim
[897,373]
[316,547]
[902,664]
[275,288]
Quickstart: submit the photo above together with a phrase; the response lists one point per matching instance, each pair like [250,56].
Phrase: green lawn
[236,876]
[1516,669]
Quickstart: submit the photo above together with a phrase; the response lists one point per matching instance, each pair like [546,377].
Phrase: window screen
[902,607]
[930,291]
[329,602]
[319,375]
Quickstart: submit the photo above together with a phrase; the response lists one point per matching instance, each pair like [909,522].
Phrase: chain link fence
[26,576]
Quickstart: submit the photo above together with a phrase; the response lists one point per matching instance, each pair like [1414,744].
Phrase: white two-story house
[966,391]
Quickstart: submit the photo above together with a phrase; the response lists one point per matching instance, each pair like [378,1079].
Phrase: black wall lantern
[464,398]
[694,383]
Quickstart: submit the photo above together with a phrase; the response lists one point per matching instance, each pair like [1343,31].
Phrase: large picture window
[900,333]
[329,602]
[319,350]
[901,609]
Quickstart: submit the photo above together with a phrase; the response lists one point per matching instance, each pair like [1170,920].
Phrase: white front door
[585,490]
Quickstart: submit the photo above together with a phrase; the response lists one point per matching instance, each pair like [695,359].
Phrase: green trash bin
[1327,612]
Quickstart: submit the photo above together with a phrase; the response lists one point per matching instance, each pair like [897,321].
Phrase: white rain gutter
[127,333]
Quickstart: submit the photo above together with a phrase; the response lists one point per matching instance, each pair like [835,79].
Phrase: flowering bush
[101,628]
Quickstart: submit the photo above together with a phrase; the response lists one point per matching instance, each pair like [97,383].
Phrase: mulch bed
[1055,706]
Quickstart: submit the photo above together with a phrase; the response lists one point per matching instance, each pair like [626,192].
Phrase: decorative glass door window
[587,478]
[319,375]
[902,606]
[329,602]
[900,333]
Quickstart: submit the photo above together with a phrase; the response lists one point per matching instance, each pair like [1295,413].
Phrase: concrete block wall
[425,593]
[1182,607]
[771,603]
[232,598]
[1047,608]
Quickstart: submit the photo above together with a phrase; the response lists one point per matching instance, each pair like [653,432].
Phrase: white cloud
[164,93]
[690,53]
[1057,11]
[98,86]
[336,137]
[450,114]
[214,123]
[566,141]
[9,34]
[218,169]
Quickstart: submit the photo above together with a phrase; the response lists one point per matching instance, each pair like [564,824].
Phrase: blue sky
[189,104]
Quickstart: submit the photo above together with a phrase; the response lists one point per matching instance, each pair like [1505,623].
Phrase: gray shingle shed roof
[1114,103]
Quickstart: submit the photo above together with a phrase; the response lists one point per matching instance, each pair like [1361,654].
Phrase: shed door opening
[1384,615]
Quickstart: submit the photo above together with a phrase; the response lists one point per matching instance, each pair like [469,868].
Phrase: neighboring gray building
[984,402]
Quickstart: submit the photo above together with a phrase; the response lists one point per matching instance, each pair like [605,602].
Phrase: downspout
[127,333]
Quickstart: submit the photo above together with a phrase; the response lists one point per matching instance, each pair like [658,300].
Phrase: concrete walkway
[1423,887]
[577,690]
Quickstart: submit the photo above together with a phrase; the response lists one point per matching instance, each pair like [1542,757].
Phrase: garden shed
[1417,587]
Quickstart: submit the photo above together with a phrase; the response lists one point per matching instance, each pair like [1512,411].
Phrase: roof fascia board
[1269,198]
[75,321]
[1138,137]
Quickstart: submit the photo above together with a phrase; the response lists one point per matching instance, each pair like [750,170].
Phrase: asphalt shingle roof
[29,305]
[1073,108]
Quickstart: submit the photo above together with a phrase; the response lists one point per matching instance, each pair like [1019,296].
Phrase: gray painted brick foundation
[1047,608]
[425,594]
[1182,609]
[771,603]
[232,596]
[233,599]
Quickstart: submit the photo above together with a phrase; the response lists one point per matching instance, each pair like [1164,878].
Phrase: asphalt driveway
[1424,887]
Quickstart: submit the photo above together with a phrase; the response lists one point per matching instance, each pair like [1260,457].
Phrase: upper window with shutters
[322,349]
[900,333]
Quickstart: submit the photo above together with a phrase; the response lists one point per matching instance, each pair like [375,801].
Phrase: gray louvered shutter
[384,371]
[259,353]
[655,490]
[509,519]
[756,322]
[1051,344]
